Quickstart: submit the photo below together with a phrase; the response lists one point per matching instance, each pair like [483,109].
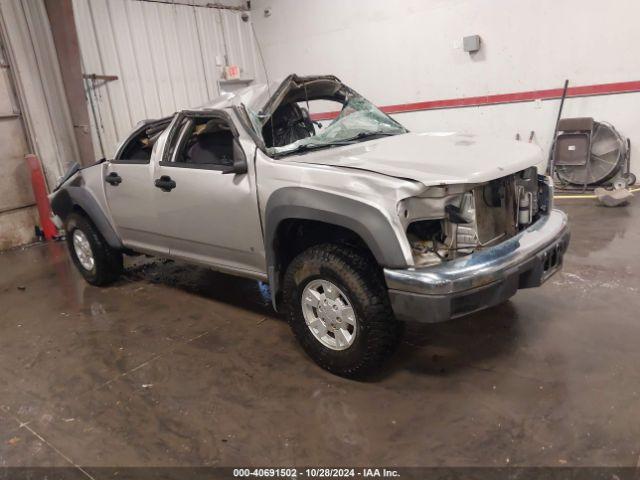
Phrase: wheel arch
[343,215]
[74,198]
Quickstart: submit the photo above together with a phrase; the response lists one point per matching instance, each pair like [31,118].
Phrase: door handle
[165,183]
[113,178]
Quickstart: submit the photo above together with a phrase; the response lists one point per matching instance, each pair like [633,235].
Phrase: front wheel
[98,263]
[337,306]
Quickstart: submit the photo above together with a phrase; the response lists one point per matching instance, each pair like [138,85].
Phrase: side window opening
[139,148]
[208,142]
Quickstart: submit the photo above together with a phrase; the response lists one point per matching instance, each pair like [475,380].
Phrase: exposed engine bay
[480,217]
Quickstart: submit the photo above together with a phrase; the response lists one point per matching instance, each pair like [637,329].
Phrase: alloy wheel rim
[329,314]
[82,249]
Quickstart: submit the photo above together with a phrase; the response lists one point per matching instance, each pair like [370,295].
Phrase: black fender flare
[68,197]
[366,221]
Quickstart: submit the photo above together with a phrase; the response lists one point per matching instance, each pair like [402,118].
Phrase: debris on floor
[613,198]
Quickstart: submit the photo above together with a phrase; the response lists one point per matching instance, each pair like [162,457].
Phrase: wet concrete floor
[176,365]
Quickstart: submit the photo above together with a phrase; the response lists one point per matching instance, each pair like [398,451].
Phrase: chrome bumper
[481,279]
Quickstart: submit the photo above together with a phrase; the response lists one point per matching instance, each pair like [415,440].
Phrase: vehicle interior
[291,119]
[139,148]
[206,142]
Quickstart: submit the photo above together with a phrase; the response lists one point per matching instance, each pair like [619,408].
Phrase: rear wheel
[337,306]
[98,263]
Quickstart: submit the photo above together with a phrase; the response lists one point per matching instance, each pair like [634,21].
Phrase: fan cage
[607,156]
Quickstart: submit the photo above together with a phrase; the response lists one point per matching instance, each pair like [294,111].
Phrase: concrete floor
[183,366]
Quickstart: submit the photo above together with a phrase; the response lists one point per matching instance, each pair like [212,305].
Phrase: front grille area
[483,216]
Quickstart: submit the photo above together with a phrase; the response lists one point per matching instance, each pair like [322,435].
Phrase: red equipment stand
[42,200]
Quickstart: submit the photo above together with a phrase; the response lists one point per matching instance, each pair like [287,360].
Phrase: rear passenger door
[129,191]
[205,215]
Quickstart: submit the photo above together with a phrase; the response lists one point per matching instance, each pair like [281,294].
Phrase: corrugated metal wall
[167,57]
[17,213]
[34,117]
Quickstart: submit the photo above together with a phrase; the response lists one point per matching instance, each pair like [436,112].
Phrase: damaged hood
[432,158]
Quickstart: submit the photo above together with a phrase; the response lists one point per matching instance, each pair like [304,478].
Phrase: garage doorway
[18,215]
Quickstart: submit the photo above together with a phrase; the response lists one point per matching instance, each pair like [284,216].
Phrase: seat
[210,147]
[291,123]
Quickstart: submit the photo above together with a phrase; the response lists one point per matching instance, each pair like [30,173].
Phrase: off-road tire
[107,261]
[360,279]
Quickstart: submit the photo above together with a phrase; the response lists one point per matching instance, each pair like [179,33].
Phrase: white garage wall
[17,212]
[164,55]
[35,69]
[409,51]
[34,117]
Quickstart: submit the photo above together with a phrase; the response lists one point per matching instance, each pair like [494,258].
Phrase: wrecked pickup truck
[356,223]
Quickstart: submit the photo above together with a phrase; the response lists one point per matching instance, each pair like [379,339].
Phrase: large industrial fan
[589,153]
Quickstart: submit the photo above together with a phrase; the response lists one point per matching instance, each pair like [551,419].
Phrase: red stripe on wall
[582,91]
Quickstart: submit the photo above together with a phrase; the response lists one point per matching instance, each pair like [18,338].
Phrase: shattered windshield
[359,120]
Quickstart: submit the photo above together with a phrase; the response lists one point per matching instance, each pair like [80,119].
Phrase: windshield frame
[300,89]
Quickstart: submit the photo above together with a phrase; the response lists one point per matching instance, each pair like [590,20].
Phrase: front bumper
[482,279]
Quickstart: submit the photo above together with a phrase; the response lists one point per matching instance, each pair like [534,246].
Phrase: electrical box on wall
[471,43]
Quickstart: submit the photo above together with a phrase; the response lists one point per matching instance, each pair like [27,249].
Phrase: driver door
[205,213]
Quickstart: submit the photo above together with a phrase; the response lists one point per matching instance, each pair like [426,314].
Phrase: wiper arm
[361,136]
[373,134]
[300,148]
[348,141]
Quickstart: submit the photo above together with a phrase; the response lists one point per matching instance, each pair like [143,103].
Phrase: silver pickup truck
[356,223]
